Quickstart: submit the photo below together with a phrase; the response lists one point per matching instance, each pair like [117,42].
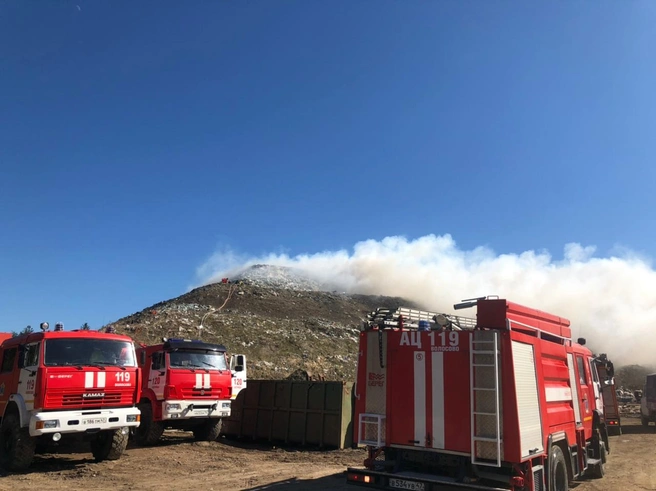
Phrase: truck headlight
[225,405]
[133,418]
[173,407]
[48,424]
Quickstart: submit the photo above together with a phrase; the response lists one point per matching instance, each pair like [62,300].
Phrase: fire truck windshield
[82,351]
[197,359]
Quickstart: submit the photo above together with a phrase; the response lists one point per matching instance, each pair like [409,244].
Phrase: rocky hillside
[279,320]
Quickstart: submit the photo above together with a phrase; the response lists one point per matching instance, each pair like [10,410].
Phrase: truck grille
[213,393]
[70,400]
[110,399]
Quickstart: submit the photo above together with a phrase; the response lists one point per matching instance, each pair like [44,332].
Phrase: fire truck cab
[58,385]
[503,401]
[188,385]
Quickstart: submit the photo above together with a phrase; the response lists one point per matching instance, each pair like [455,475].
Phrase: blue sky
[138,138]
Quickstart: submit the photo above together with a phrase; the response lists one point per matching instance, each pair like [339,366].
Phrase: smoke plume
[610,301]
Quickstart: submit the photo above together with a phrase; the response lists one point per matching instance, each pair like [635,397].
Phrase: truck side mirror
[142,358]
[21,356]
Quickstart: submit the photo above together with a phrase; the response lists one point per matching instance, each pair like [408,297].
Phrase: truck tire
[16,445]
[209,430]
[558,479]
[109,445]
[149,431]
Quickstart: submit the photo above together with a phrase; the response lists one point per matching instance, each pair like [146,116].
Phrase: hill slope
[279,329]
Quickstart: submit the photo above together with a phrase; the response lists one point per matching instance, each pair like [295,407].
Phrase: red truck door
[596,386]
[27,374]
[586,392]
[157,374]
[407,427]
[8,375]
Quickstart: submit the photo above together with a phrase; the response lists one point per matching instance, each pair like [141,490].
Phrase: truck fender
[560,439]
[22,409]
[148,397]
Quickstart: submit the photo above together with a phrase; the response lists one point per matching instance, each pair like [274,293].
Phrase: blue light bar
[181,340]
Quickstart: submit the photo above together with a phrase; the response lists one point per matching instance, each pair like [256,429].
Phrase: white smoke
[611,300]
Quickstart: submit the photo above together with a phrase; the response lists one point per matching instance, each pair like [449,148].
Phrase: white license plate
[94,421]
[403,484]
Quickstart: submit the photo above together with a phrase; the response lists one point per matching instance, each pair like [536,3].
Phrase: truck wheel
[558,479]
[208,431]
[16,445]
[149,431]
[109,445]
[644,420]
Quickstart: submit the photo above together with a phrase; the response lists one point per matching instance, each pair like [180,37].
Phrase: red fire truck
[187,385]
[58,385]
[609,394]
[505,401]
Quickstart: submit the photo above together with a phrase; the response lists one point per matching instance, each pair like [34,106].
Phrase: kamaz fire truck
[503,401]
[188,385]
[59,385]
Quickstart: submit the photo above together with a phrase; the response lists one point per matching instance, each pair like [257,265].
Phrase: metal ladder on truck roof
[383,318]
[484,381]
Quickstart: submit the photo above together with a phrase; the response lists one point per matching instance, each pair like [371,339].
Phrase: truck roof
[187,344]
[494,313]
[44,335]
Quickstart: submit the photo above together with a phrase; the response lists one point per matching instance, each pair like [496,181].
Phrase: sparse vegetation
[25,330]
[278,329]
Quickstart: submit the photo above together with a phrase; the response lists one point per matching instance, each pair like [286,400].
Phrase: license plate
[403,484]
[94,421]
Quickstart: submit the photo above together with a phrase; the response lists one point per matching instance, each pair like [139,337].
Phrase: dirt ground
[180,463]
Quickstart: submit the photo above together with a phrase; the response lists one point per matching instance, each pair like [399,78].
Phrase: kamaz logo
[93,395]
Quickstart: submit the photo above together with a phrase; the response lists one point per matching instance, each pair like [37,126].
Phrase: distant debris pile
[266,275]
[300,375]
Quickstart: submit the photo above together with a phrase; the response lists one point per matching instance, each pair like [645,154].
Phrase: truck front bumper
[186,409]
[49,422]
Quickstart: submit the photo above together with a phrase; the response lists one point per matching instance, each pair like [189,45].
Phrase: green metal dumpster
[306,413]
